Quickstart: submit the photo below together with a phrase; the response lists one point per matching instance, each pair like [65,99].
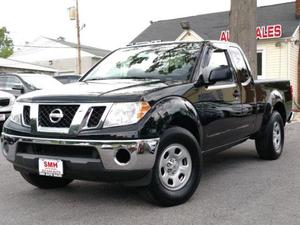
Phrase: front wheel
[44,182]
[177,170]
[269,144]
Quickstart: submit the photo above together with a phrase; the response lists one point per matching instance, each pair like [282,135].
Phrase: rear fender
[274,98]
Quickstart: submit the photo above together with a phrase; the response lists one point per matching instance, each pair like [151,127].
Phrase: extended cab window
[240,64]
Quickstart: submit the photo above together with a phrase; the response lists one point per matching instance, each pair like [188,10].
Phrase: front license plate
[51,167]
[2,117]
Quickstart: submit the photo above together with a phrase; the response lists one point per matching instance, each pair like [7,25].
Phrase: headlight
[16,113]
[126,113]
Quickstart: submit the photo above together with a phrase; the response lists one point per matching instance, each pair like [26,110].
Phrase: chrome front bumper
[142,151]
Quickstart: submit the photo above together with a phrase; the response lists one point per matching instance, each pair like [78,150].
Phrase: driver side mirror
[221,73]
[18,87]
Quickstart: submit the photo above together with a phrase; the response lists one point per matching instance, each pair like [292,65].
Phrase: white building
[59,54]
[277,34]
[13,66]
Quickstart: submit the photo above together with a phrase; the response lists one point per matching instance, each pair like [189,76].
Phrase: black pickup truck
[145,116]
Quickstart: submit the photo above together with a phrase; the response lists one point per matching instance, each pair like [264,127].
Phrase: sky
[109,24]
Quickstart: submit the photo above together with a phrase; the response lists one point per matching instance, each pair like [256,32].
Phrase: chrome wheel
[277,137]
[175,166]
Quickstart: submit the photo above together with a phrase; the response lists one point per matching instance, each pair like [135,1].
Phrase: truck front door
[219,104]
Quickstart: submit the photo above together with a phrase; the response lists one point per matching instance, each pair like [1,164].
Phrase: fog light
[122,156]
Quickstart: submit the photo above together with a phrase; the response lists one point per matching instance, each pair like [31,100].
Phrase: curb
[296,117]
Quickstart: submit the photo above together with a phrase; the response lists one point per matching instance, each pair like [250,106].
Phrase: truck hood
[99,91]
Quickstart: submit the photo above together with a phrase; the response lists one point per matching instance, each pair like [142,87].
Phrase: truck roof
[216,43]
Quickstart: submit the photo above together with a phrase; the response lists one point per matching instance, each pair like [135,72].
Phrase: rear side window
[240,64]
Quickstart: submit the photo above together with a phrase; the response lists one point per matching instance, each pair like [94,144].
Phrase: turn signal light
[144,108]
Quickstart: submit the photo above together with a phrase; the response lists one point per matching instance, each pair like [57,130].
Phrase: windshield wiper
[141,78]
[95,79]
[114,78]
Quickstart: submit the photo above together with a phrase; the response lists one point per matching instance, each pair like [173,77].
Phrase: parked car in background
[6,102]
[20,83]
[65,79]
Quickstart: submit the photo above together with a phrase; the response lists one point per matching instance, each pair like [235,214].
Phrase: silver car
[6,102]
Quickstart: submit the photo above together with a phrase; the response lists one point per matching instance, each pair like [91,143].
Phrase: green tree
[6,43]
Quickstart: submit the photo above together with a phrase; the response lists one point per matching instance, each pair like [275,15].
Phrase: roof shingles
[209,26]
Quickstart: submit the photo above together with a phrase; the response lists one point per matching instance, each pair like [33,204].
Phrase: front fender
[171,111]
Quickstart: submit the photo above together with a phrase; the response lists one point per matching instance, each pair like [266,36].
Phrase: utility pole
[78,39]
[242,27]
[74,15]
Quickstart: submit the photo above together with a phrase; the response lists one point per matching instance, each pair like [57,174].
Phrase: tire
[180,149]
[44,182]
[269,144]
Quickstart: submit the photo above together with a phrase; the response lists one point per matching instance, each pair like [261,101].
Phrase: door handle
[236,93]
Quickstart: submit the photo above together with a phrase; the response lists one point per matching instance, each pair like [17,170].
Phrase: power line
[39,46]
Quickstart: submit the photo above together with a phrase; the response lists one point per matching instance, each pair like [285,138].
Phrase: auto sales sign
[262,32]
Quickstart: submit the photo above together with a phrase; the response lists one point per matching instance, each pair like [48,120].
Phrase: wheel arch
[279,107]
[188,124]
[275,102]
[173,111]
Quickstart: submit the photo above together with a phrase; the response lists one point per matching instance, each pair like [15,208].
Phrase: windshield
[41,81]
[169,61]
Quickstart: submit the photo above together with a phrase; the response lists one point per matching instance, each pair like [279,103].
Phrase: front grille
[58,150]
[96,116]
[26,115]
[65,122]
[4,102]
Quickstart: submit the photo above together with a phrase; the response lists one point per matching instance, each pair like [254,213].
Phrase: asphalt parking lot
[236,188]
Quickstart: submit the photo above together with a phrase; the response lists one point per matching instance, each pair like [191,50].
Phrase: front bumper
[142,156]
